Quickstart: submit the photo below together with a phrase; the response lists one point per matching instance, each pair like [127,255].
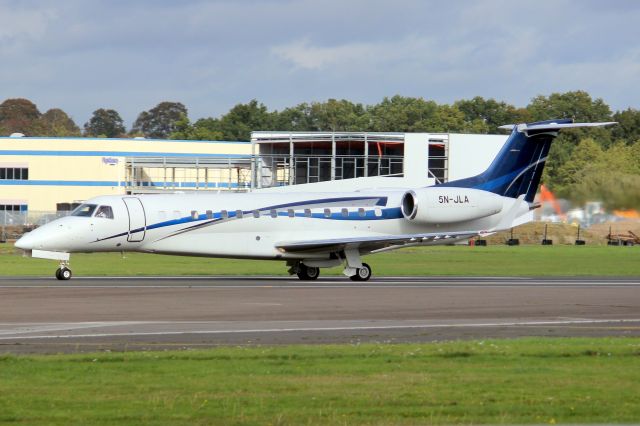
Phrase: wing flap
[370,243]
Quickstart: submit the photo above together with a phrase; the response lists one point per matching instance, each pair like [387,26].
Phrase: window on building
[14,173]
[85,210]
[13,207]
[105,212]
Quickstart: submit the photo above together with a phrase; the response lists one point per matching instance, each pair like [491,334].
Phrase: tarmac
[87,314]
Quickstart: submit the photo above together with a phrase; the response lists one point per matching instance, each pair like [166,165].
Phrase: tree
[56,122]
[403,114]
[205,129]
[237,124]
[587,156]
[490,112]
[298,118]
[577,105]
[159,122]
[338,116]
[105,123]
[19,115]
[628,127]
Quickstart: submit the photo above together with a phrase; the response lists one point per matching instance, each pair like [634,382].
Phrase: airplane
[310,230]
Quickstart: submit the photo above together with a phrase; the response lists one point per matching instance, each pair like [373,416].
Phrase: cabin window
[209,214]
[256,213]
[327,212]
[345,213]
[224,214]
[361,212]
[85,210]
[274,213]
[239,214]
[105,212]
[194,214]
[307,212]
[291,213]
[378,212]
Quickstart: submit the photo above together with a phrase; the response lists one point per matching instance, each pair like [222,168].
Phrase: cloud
[210,55]
[20,26]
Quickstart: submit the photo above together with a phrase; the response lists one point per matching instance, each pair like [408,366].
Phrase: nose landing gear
[63,272]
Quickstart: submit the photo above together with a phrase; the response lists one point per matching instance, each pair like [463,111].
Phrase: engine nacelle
[447,205]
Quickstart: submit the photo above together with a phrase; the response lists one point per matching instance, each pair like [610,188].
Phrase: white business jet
[309,231]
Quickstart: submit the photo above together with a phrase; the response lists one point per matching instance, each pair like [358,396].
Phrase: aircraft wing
[370,243]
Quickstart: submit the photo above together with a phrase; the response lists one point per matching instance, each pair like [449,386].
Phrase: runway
[42,315]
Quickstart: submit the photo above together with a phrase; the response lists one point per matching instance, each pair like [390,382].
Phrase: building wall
[75,169]
[470,155]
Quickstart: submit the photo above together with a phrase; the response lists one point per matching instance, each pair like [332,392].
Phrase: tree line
[584,164]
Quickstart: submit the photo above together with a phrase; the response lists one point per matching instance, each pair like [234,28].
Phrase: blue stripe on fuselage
[388,213]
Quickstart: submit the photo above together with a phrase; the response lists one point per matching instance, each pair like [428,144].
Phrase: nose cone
[27,242]
[46,237]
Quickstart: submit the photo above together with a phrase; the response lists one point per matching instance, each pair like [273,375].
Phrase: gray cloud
[210,55]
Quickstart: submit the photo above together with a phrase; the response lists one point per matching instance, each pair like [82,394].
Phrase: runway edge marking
[284,330]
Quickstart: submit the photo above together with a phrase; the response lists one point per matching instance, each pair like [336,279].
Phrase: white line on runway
[345,328]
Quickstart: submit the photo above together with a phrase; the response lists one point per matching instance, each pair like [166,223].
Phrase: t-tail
[518,167]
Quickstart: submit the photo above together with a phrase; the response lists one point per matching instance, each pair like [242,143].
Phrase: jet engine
[446,205]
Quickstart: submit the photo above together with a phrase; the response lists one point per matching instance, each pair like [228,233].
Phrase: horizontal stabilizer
[554,126]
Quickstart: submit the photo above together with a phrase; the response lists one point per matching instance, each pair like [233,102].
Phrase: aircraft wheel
[308,273]
[63,274]
[362,274]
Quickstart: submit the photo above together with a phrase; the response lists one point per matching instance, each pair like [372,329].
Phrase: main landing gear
[63,273]
[362,274]
[308,273]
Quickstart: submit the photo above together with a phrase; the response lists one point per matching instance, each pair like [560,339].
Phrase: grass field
[459,260]
[499,381]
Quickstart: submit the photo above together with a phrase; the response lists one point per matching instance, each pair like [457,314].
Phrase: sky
[129,55]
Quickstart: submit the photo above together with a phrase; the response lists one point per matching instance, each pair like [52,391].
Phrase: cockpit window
[84,210]
[105,212]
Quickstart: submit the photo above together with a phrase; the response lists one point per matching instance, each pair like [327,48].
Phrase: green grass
[460,260]
[498,381]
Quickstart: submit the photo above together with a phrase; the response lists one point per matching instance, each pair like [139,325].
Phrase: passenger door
[137,219]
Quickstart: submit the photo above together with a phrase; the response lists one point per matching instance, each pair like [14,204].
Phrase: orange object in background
[547,196]
[627,214]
